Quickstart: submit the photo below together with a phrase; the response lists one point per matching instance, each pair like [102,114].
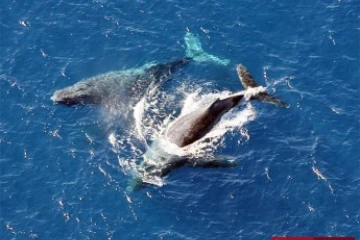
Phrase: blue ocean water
[298,172]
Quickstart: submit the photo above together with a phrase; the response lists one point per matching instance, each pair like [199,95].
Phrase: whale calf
[192,127]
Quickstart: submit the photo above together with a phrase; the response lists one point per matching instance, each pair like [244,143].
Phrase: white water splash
[158,110]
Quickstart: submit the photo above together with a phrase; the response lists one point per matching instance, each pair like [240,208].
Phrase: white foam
[138,116]
[112,140]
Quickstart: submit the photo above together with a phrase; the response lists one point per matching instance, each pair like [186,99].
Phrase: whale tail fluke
[248,82]
[194,50]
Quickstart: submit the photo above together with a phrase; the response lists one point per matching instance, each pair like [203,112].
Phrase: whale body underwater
[127,86]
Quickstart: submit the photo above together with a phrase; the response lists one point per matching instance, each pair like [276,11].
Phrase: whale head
[80,93]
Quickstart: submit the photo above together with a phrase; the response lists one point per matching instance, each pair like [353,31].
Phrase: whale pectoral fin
[265,97]
[213,163]
[248,82]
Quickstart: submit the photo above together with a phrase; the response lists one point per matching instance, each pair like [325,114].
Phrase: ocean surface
[64,171]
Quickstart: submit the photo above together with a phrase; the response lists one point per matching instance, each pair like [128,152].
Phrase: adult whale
[127,86]
[192,127]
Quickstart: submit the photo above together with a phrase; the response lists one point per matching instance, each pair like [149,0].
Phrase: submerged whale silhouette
[194,126]
[131,84]
[127,84]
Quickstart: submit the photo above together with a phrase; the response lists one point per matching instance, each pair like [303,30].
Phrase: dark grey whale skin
[195,125]
[120,84]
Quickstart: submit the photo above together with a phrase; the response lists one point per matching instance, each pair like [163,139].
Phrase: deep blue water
[298,174]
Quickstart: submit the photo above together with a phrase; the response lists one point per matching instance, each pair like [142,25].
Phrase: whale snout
[62,97]
[68,96]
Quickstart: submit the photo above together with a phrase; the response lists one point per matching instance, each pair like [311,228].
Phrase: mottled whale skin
[194,126]
[126,84]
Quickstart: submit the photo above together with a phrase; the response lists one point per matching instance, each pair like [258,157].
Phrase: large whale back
[95,89]
[131,82]
[126,84]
